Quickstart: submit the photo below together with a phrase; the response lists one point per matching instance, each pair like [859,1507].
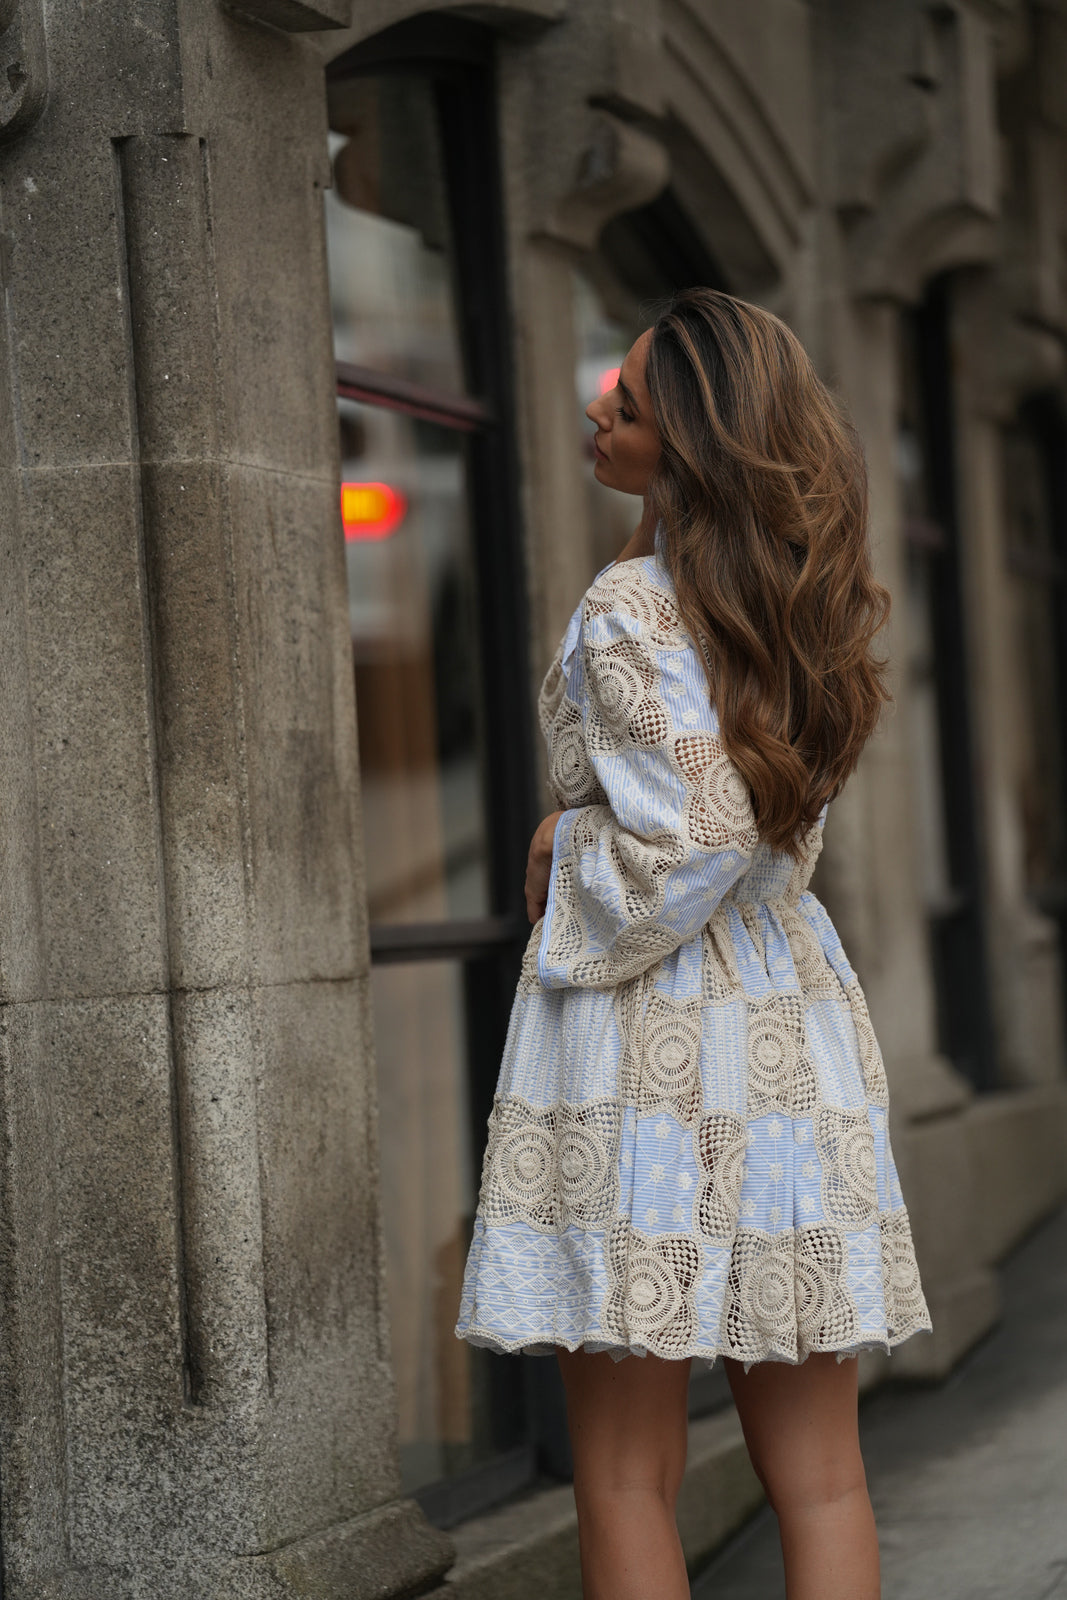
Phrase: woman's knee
[795,1488]
[611,1489]
[801,1429]
[648,1464]
[628,1424]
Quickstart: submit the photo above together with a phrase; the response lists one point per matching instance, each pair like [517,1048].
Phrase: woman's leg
[801,1428]
[628,1422]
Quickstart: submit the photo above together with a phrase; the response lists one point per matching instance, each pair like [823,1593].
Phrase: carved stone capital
[1034,128]
[619,168]
[23,65]
[915,138]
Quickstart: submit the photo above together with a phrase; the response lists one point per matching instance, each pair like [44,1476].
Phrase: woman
[688,1153]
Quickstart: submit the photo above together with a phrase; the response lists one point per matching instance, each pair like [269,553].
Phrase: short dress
[688,1150]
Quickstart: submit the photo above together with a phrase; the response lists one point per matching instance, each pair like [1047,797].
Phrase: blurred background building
[304,301]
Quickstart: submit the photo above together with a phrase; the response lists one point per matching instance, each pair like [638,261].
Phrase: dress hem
[709,1356]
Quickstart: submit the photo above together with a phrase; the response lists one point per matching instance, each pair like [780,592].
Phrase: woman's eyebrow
[632,403]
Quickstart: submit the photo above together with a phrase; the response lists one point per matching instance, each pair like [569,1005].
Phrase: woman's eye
[624,414]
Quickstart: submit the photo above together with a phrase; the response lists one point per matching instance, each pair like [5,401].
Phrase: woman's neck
[642,542]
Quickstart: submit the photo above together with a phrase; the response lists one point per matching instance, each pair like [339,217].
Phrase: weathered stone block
[197,694]
[217,1066]
[267,164]
[328,1357]
[299,724]
[172,305]
[1018,1146]
[94,1360]
[941,1198]
[391,1551]
[94,753]
[70,351]
[21,950]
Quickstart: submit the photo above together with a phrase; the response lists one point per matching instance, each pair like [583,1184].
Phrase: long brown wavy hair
[761,488]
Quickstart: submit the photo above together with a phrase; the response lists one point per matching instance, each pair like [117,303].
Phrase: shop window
[429,515]
[938,696]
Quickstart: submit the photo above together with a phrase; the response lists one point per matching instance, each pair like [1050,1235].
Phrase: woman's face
[627,444]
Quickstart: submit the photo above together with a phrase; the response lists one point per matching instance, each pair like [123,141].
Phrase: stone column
[196,1398]
[871,883]
[1024,956]
[1017,1135]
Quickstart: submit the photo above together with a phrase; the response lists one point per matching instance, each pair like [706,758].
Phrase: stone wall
[195,1396]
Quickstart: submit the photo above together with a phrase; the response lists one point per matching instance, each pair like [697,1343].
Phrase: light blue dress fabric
[688,1152]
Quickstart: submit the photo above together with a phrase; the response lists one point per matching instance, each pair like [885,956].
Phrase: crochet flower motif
[845,1143]
[627,689]
[870,1055]
[650,1294]
[905,1306]
[551,1167]
[654,609]
[813,970]
[570,774]
[721,1141]
[669,1070]
[718,811]
[786,1295]
[781,1076]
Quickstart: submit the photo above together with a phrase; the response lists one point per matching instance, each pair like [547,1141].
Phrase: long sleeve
[635,878]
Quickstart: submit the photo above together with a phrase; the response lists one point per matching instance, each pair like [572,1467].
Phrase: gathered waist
[787,898]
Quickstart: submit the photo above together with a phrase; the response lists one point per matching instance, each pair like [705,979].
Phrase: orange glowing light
[371,510]
[608,379]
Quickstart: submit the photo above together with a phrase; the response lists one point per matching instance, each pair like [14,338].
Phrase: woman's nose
[591,413]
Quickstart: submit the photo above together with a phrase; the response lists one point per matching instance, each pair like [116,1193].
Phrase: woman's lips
[598,450]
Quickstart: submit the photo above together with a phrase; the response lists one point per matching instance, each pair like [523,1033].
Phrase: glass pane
[428,1200]
[414,645]
[405,509]
[387,233]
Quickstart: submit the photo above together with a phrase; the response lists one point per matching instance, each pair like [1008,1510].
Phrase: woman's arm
[632,880]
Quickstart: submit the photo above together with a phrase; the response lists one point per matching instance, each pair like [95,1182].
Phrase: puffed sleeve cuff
[564,824]
[603,925]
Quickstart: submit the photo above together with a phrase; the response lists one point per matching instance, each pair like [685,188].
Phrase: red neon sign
[608,379]
[371,510]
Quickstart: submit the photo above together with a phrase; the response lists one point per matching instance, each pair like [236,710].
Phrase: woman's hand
[539,866]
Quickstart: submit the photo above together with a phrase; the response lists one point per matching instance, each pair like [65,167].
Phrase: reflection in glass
[412,614]
[410,575]
[387,234]
[420,1039]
